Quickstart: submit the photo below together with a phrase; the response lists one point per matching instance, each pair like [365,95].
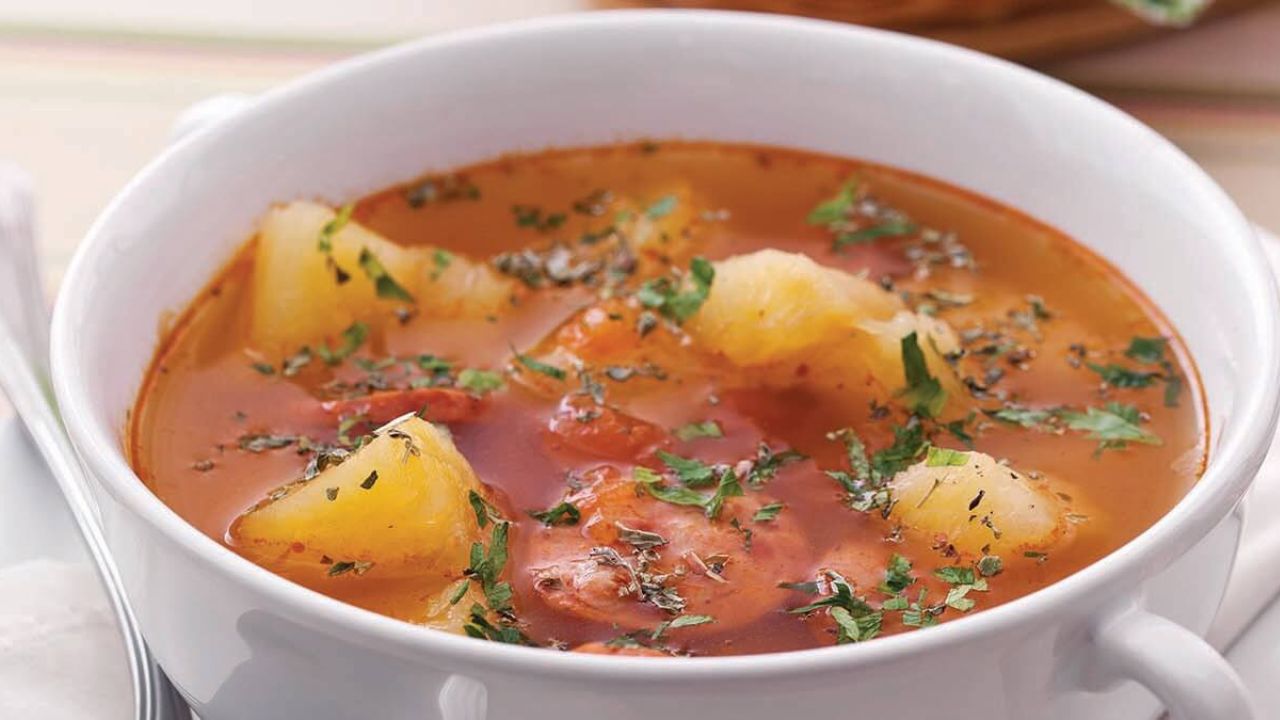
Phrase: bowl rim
[1224,481]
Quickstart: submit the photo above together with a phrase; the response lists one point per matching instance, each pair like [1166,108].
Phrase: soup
[669,399]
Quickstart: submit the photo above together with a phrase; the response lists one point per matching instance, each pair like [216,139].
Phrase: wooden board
[1024,30]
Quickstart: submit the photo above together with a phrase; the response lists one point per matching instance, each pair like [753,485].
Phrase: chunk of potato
[452,286]
[796,321]
[396,508]
[297,296]
[978,504]
[769,306]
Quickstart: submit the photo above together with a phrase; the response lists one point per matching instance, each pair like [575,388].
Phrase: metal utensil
[24,378]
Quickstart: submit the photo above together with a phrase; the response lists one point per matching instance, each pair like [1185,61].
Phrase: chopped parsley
[1023,416]
[530,216]
[942,457]
[672,299]
[834,209]
[962,580]
[485,512]
[694,430]
[989,565]
[355,567]
[386,286]
[766,463]
[340,219]
[324,243]
[897,575]
[924,395]
[538,366]
[1152,351]
[352,338]
[1114,426]
[680,621]
[767,513]
[856,620]
[479,382]
[263,367]
[895,227]
[726,487]
[1147,350]
[565,513]
[440,261]
[261,442]
[854,219]
[691,472]
[1119,376]
[867,477]
[485,570]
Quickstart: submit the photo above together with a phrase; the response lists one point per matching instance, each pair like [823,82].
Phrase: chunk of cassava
[396,508]
[977,505]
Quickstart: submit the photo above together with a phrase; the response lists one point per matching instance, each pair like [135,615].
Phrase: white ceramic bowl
[242,643]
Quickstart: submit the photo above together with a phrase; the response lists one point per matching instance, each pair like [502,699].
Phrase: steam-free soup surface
[669,398]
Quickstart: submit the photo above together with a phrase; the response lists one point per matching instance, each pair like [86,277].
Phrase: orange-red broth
[202,394]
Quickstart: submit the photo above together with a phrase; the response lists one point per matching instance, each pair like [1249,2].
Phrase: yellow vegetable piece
[771,305]
[298,298]
[396,508]
[776,310]
[453,286]
[976,503]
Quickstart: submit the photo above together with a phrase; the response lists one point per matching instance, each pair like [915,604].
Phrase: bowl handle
[1182,670]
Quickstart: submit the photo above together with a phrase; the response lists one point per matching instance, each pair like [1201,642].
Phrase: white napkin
[61,657]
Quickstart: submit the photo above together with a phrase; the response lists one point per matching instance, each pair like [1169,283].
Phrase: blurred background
[89,90]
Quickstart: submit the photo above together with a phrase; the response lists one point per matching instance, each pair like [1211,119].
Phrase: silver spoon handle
[22,299]
[27,390]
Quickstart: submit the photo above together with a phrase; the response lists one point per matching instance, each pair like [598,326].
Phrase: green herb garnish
[691,472]
[680,621]
[924,395]
[565,513]
[767,462]
[479,382]
[728,486]
[888,228]
[834,209]
[942,457]
[1119,376]
[352,338]
[766,513]
[694,430]
[856,621]
[897,575]
[386,286]
[1114,426]
[667,296]
[440,261]
[529,216]
[538,366]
